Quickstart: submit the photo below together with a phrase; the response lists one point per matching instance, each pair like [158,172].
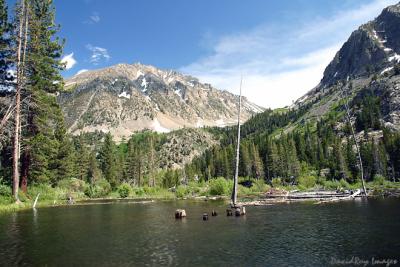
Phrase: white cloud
[93,18]
[98,54]
[82,71]
[69,61]
[280,63]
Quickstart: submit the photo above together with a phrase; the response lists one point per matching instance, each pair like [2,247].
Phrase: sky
[281,47]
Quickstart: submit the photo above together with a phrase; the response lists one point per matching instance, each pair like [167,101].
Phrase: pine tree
[257,164]
[5,44]
[94,173]
[152,162]
[245,160]
[64,163]
[293,164]
[108,160]
[276,163]
[130,162]
[82,158]
[43,80]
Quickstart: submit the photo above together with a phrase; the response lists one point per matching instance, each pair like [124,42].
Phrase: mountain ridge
[125,98]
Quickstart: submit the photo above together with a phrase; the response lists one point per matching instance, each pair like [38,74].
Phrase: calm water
[126,234]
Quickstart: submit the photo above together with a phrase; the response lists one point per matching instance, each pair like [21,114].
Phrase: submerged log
[180,213]
[229,212]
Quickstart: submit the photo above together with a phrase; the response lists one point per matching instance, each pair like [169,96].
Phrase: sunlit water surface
[132,234]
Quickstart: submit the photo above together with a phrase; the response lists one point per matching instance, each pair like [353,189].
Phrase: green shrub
[124,190]
[276,182]
[100,188]
[72,185]
[379,179]
[46,192]
[259,186]
[244,191]
[181,191]
[139,191]
[332,184]
[5,195]
[307,181]
[5,190]
[220,186]
[344,184]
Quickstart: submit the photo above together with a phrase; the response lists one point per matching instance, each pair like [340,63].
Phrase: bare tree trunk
[26,155]
[23,26]
[235,179]
[356,144]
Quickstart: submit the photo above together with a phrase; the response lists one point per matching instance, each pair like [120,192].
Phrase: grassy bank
[79,190]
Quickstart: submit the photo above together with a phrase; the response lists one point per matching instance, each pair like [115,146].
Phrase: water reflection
[136,234]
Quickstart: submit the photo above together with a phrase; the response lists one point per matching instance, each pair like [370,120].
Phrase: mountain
[311,141]
[368,60]
[126,98]
[374,47]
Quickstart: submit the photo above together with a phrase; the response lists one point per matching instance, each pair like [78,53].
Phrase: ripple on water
[148,235]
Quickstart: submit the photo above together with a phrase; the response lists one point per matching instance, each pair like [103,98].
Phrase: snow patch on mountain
[125,95]
[395,57]
[386,70]
[158,128]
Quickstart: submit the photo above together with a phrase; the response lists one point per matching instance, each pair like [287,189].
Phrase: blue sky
[280,47]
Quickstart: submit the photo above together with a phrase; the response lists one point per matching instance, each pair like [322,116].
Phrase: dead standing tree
[20,64]
[348,116]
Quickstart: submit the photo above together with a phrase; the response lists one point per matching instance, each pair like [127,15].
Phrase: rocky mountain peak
[125,98]
[374,47]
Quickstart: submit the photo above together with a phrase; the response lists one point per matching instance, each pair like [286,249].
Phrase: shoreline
[262,199]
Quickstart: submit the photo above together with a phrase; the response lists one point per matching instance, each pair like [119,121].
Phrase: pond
[146,234]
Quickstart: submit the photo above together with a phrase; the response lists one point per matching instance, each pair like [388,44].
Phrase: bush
[220,186]
[181,191]
[344,183]
[124,190]
[100,188]
[259,186]
[5,195]
[46,192]
[276,182]
[5,190]
[72,185]
[379,179]
[139,191]
[307,181]
[332,184]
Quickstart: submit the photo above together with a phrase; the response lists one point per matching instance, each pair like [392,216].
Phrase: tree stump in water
[229,212]
[238,212]
[179,214]
[205,216]
[243,212]
[70,200]
[214,213]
